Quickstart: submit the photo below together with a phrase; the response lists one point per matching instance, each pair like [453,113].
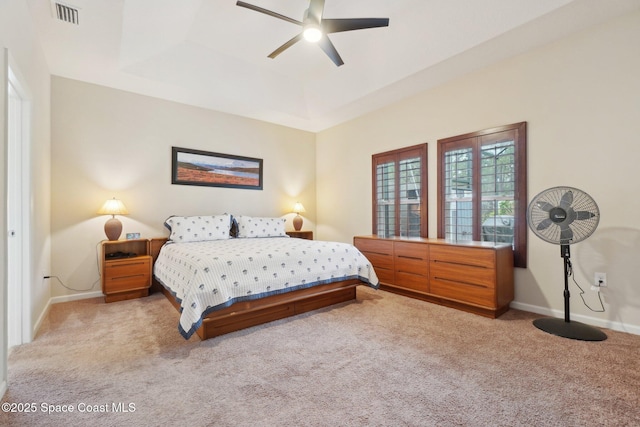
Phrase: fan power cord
[582,291]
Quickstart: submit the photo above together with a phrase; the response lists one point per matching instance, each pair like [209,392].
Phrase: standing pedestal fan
[562,216]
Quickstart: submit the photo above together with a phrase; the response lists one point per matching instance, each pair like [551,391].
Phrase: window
[400,192]
[482,188]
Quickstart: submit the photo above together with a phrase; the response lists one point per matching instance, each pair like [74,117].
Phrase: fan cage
[581,228]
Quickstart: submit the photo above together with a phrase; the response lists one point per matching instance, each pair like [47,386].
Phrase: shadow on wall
[614,251]
[525,278]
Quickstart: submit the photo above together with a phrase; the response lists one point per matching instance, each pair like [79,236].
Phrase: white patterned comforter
[211,275]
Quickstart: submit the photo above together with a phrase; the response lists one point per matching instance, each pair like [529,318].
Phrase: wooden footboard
[245,314]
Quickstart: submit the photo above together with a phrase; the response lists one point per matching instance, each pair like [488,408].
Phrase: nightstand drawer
[127,274]
[126,283]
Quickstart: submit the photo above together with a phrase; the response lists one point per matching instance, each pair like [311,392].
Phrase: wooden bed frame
[245,314]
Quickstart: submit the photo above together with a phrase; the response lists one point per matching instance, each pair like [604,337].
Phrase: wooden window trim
[420,150]
[520,230]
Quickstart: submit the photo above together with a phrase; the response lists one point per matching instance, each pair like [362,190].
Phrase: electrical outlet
[600,279]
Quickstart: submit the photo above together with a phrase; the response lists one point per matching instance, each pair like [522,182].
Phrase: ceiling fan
[315,28]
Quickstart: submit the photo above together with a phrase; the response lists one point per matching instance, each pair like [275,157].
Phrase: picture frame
[205,168]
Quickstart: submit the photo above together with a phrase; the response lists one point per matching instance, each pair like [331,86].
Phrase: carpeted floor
[384,360]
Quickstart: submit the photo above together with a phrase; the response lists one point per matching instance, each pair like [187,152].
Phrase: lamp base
[297,222]
[113,228]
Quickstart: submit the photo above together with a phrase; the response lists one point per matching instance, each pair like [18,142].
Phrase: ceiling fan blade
[330,50]
[545,206]
[268,12]
[338,25]
[285,46]
[544,224]
[566,200]
[584,215]
[316,8]
[566,235]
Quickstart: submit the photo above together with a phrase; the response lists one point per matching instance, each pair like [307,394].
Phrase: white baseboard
[76,297]
[593,321]
[43,315]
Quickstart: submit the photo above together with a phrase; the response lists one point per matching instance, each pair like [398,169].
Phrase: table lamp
[297,221]
[113,226]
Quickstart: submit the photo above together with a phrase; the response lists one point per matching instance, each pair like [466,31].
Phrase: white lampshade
[298,208]
[113,207]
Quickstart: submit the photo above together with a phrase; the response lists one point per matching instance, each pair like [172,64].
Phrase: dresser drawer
[380,255]
[379,261]
[463,291]
[475,285]
[466,256]
[381,247]
[477,276]
[412,266]
[411,258]
[416,251]
[413,281]
[385,275]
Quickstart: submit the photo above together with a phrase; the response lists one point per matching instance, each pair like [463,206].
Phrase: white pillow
[198,228]
[260,227]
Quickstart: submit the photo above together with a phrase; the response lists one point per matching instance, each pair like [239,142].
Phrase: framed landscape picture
[197,167]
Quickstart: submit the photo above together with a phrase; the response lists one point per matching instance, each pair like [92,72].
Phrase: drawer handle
[411,257]
[457,282]
[376,253]
[413,273]
[128,264]
[128,277]
[462,263]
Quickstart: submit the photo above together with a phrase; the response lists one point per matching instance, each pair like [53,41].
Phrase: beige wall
[581,99]
[109,143]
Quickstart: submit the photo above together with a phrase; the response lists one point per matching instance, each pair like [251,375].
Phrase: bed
[223,283]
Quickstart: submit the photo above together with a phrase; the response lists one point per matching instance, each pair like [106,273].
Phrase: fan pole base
[573,330]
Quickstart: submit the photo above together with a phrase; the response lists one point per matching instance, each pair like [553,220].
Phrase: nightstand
[301,234]
[126,269]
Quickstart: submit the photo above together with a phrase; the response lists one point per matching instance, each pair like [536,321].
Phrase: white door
[17,239]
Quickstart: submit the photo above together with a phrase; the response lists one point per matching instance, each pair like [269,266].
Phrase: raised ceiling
[213,54]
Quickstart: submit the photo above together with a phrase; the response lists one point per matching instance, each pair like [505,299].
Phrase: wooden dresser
[471,276]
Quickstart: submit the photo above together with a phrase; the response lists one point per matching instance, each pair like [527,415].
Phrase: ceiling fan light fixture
[315,28]
[312,33]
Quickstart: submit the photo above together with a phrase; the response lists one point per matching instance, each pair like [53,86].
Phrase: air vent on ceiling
[65,12]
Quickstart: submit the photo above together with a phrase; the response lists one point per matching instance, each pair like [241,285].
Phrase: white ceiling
[213,54]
